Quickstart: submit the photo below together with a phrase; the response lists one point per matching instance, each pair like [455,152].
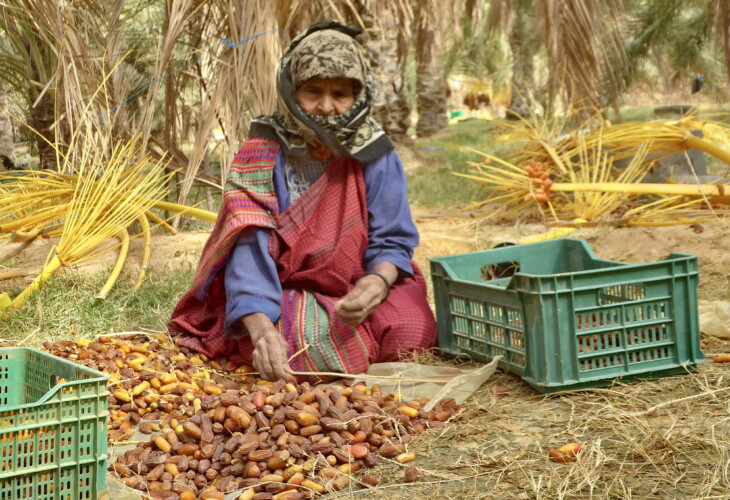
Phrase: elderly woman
[309,265]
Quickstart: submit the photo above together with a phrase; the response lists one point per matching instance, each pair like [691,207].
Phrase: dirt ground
[446,233]
[663,438]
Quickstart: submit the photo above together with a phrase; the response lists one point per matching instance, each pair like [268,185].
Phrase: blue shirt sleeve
[252,283]
[392,233]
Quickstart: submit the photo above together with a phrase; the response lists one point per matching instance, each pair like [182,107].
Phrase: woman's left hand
[368,293]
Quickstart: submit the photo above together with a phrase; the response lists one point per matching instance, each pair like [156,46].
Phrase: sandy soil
[442,233]
[448,234]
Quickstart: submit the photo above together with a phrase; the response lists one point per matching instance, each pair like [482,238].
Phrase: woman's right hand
[270,348]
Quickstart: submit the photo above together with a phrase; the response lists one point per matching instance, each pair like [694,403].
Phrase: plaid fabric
[404,323]
[318,245]
[309,320]
[248,200]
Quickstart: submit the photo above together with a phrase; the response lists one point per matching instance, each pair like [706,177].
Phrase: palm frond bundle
[109,193]
[575,176]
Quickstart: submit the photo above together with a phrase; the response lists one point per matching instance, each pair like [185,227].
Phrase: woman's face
[326,96]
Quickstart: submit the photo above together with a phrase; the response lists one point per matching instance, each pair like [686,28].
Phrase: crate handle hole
[501,270]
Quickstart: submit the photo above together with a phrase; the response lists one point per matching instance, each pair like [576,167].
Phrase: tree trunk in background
[41,119]
[431,80]
[42,115]
[391,109]
[7,145]
[521,42]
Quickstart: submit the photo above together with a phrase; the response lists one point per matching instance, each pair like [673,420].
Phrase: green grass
[435,185]
[66,307]
[638,114]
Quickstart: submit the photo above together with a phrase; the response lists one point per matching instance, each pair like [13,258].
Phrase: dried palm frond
[509,184]
[293,16]
[583,34]
[666,139]
[576,177]
[536,137]
[594,168]
[108,195]
[677,210]
[238,82]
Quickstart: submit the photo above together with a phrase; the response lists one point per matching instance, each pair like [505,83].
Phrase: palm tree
[719,23]
[387,25]
[524,44]
[585,53]
[671,43]
[55,55]
[430,40]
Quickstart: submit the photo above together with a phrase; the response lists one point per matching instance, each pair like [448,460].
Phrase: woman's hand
[270,348]
[368,293]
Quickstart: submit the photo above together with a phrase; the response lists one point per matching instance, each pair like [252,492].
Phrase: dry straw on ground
[663,438]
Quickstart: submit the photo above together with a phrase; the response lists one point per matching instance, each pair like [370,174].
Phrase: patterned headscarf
[325,50]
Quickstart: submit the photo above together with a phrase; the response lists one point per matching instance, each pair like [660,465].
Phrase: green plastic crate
[566,319]
[53,432]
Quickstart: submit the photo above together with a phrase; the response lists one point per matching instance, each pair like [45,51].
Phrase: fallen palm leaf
[574,176]
[105,197]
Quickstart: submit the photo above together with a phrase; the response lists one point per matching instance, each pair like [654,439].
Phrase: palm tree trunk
[42,119]
[7,145]
[431,80]
[523,69]
[43,108]
[388,45]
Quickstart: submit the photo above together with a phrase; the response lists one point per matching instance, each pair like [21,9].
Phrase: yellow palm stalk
[33,200]
[49,269]
[666,139]
[714,192]
[145,224]
[108,195]
[151,216]
[125,189]
[198,213]
[123,249]
[715,132]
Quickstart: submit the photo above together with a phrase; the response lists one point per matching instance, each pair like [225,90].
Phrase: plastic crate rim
[673,257]
[97,377]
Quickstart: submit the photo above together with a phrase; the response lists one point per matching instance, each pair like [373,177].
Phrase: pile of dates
[214,429]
